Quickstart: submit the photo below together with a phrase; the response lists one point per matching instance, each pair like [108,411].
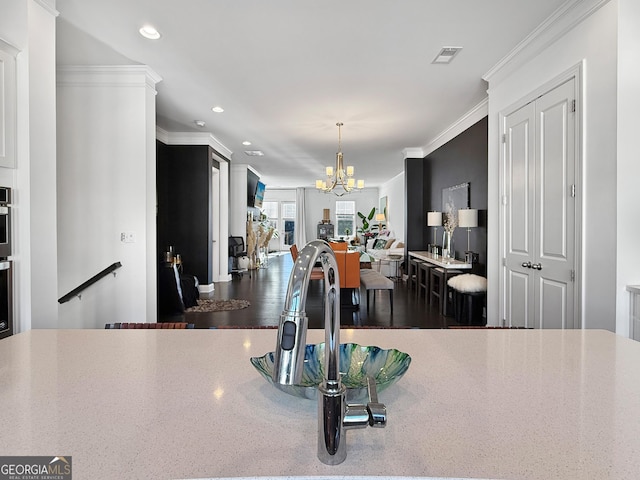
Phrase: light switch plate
[128,237]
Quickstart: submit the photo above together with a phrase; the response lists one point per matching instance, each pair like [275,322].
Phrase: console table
[440,261]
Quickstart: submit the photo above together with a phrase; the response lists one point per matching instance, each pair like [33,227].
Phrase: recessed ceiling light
[246,143]
[149,32]
[446,54]
[217,109]
[254,153]
[200,123]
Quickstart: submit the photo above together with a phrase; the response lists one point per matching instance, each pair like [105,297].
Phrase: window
[270,210]
[289,221]
[345,218]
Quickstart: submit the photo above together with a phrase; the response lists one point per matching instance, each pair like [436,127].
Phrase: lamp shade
[434,219]
[379,217]
[468,217]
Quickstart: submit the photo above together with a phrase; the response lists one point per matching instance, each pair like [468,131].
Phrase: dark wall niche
[185,208]
[414,209]
[462,159]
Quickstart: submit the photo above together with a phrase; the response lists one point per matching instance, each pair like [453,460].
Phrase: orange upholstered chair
[338,246]
[349,269]
[316,272]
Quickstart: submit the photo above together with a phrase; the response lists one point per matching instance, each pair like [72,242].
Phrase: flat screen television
[252,185]
[259,195]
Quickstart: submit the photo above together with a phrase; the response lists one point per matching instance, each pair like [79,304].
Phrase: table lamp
[434,219]
[380,218]
[468,217]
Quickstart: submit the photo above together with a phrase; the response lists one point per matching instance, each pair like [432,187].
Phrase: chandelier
[340,177]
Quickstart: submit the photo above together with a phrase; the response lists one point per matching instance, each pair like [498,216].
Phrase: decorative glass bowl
[356,363]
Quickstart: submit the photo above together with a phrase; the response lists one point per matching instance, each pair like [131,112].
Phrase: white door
[540,211]
[217,268]
[519,217]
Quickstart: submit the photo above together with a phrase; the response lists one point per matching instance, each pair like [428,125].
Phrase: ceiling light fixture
[200,123]
[339,177]
[254,153]
[217,109]
[246,143]
[149,32]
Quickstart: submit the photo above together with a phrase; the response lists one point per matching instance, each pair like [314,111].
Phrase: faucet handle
[377,411]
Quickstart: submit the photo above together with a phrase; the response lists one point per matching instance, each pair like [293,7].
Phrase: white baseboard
[206,288]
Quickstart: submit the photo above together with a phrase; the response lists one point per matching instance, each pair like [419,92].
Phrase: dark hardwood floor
[266,290]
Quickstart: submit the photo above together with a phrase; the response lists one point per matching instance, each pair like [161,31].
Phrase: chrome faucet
[334,415]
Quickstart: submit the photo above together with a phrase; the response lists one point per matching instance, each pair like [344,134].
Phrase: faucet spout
[334,415]
[292,329]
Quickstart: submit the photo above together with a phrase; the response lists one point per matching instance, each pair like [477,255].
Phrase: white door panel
[540,211]
[519,307]
[520,173]
[553,303]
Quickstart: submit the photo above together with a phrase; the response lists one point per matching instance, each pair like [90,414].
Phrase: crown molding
[194,138]
[49,6]
[470,118]
[9,48]
[565,18]
[414,152]
[107,75]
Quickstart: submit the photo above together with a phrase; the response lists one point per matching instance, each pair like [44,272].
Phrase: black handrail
[75,292]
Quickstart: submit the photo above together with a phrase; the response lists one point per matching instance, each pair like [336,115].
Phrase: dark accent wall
[462,159]
[185,209]
[414,186]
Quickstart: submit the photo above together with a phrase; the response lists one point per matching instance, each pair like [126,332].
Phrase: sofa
[384,248]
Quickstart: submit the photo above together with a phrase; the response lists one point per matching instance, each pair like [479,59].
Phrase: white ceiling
[286,71]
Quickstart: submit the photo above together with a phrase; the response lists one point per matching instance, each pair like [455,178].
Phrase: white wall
[106,186]
[394,191]
[30,27]
[318,201]
[13,23]
[42,170]
[594,42]
[628,164]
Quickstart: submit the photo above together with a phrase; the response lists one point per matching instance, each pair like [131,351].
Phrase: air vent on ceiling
[446,54]
[254,153]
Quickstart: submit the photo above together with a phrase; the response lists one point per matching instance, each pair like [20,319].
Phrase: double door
[540,208]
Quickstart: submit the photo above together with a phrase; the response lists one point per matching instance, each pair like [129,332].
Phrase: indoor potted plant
[366,227]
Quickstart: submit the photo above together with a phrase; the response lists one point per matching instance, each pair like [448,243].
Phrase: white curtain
[300,236]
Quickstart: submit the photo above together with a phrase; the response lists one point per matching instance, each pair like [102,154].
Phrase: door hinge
[504,261]
[504,138]
[573,106]
[573,275]
[504,200]
[573,190]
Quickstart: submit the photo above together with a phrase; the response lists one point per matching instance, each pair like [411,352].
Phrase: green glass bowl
[356,364]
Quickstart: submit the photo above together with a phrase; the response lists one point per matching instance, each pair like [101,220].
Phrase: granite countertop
[188,404]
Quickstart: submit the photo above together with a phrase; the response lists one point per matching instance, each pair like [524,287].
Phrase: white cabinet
[7,105]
